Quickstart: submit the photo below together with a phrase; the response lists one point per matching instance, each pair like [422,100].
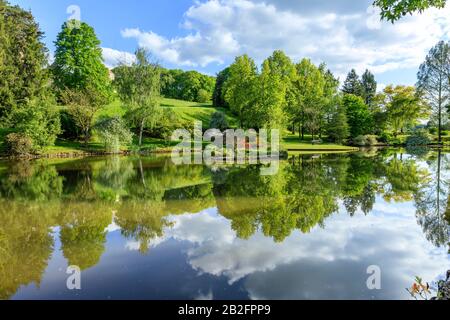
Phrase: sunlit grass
[294,143]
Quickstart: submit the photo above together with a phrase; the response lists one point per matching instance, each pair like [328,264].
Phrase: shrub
[445,132]
[167,123]
[371,140]
[367,140]
[386,137]
[203,96]
[219,121]
[18,144]
[113,132]
[419,138]
[433,131]
[40,121]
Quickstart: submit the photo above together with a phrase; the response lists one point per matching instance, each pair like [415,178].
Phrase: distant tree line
[187,85]
[307,99]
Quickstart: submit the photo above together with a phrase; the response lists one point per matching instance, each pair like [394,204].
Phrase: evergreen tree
[23,60]
[352,84]
[218,95]
[369,86]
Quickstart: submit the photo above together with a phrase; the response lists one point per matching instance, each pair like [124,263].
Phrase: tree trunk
[141,132]
[86,136]
[440,111]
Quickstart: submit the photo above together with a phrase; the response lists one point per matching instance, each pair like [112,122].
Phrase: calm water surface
[142,228]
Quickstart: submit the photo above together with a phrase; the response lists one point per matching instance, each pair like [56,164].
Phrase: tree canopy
[78,60]
[23,59]
[434,81]
[393,10]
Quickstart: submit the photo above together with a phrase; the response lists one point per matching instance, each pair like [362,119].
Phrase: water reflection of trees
[84,197]
[433,200]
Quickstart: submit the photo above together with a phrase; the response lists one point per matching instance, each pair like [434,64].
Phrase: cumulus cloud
[330,262]
[113,58]
[345,34]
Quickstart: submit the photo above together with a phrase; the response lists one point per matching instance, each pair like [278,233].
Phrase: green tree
[203,96]
[309,90]
[352,84]
[369,87]
[39,120]
[239,87]
[434,81]
[189,85]
[331,97]
[338,129]
[139,88]
[393,10]
[281,66]
[78,60]
[403,107]
[359,118]
[82,107]
[23,61]
[268,110]
[218,95]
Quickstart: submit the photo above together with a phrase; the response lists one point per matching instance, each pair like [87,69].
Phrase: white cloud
[113,57]
[330,262]
[343,35]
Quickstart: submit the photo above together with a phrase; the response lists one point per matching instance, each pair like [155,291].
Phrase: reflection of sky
[200,257]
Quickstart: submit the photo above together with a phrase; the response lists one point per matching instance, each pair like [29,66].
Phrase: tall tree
[359,118]
[434,81]
[309,87]
[393,10]
[218,94]
[369,87]
[352,84]
[268,109]
[139,87]
[78,60]
[331,99]
[239,87]
[281,66]
[23,60]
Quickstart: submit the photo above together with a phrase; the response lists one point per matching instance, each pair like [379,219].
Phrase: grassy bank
[293,143]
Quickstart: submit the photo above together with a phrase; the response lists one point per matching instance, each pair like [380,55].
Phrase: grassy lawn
[187,111]
[72,147]
[193,111]
[294,143]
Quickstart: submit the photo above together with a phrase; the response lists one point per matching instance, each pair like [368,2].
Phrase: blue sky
[206,35]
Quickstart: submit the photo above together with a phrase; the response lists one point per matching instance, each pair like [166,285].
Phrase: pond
[143,228]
